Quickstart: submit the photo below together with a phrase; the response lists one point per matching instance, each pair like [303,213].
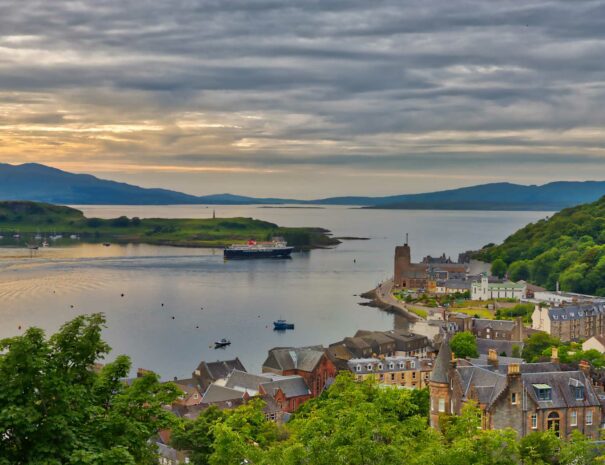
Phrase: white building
[484,290]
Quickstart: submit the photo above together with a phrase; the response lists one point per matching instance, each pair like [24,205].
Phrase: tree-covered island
[30,219]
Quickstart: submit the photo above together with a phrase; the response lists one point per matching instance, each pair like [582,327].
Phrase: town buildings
[571,322]
[311,363]
[209,372]
[417,275]
[486,290]
[595,343]
[409,372]
[503,330]
[526,397]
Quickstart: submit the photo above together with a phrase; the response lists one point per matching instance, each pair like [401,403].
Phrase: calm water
[211,299]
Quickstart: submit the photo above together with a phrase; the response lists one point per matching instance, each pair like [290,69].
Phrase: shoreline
[381,298]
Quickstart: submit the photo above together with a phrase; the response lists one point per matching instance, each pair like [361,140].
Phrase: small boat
[222,343]
[16,236]
[74,236]
[106,244]
[281,325]
[45,244]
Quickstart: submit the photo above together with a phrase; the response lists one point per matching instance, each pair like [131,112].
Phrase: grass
[418,311]
[482,312]
[30,218]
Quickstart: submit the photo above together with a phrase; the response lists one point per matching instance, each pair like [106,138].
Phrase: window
[391,366]
[358,367]
[369,367]
[442,405]
[401,365]
[574,418]
[534,421]
[412,364]
[513,398]
[589,417]
[413,375]
[380,367]
[579,393]
[392,376]
[543,391]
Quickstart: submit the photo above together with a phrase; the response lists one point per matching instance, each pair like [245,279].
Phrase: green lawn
[482,312]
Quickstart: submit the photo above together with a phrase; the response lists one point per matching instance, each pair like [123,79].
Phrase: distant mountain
[500,196]
[32,181]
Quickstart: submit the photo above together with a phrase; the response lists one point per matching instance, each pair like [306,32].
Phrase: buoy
[122,295]
[19,327]
[197,327]
[71,306]
[173,318]
[162,304]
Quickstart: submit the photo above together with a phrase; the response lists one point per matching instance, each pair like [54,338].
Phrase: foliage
[569,247]
[464,345]
[499,268]
[55,409]
[536,345]
[523,310]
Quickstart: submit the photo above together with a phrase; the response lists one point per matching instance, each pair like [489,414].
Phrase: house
[504,330]
[379,342]
[190,392]
[311,363]
[485,290]
[571,322]
[526,397]
[452,286]
[409,344]
[211,372]
[595,343]
[409,372]
[462,321]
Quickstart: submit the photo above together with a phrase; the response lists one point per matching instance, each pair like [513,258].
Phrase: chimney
[584,367]
[514,369]
[454,360]
[554,355]
[492,357]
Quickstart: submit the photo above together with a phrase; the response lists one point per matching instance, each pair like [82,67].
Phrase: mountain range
[36,182]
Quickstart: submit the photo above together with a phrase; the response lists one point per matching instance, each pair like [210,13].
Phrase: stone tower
[403,259]
[439,383]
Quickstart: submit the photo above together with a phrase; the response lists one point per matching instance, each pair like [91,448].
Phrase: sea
[165,306]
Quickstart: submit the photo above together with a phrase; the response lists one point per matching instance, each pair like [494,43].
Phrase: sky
[306,98]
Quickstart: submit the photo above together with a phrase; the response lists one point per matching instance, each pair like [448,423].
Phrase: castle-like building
[526,397]
[418,275]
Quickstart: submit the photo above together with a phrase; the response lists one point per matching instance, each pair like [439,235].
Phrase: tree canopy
[569,248]
[56,409]
[464,345]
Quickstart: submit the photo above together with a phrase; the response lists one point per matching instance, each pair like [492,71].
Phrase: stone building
[504,330]
[417,275]
[571,322]
[409,372]
[526,397]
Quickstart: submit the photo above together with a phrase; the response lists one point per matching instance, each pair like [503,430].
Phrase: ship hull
[242,254]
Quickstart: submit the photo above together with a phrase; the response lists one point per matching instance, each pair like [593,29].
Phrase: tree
[519,270]
[499,268]
[537,344]
[539,448]
[56,409]
[464,345]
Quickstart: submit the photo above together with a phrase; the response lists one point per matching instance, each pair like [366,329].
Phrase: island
[35,222]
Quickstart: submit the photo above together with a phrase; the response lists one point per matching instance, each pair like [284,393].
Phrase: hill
[568,247]
[40,183]
[500,196]
[30,219]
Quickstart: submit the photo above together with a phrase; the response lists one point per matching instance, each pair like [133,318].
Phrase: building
[526,397]
[503,330]
[311,363]
[451,286]
[571,322]
[409,372]
[595,343]
[417,275]
[502,347]
[485,290]
[208,373]
[190,392]
[558,298]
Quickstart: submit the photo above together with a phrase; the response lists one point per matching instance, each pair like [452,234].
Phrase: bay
[210,298]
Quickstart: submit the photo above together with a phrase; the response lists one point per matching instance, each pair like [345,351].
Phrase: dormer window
[412,364]
[391,366]
[380,366]
[543,391]
[401,365]
[369,367]
[358,367]
[579,390]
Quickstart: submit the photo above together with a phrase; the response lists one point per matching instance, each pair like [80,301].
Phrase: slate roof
[385,363]
[486,383]
[294,358]
[291,386]
[248,382]
[563,385]
[442,363]
[216,393]
[576,312]
[483,346]
[208,372]
[499,325]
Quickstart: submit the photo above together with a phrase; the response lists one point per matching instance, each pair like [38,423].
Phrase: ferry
[277,248]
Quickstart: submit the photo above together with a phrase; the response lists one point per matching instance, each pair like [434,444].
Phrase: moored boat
[222,343]
[277,248]
[281,325]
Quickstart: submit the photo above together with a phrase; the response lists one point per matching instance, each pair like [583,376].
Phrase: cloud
[267,86]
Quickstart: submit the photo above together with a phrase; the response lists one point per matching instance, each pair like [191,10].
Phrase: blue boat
[281,325]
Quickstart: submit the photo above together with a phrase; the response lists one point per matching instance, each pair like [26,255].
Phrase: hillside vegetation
[30,218]
[569,247]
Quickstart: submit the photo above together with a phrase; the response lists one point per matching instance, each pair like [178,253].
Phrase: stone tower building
[439,384]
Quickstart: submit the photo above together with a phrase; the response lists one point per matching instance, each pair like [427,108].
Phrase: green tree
[464,345]
[540,448]
[56,409]
[519,270]
[499,268]
[537,344]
